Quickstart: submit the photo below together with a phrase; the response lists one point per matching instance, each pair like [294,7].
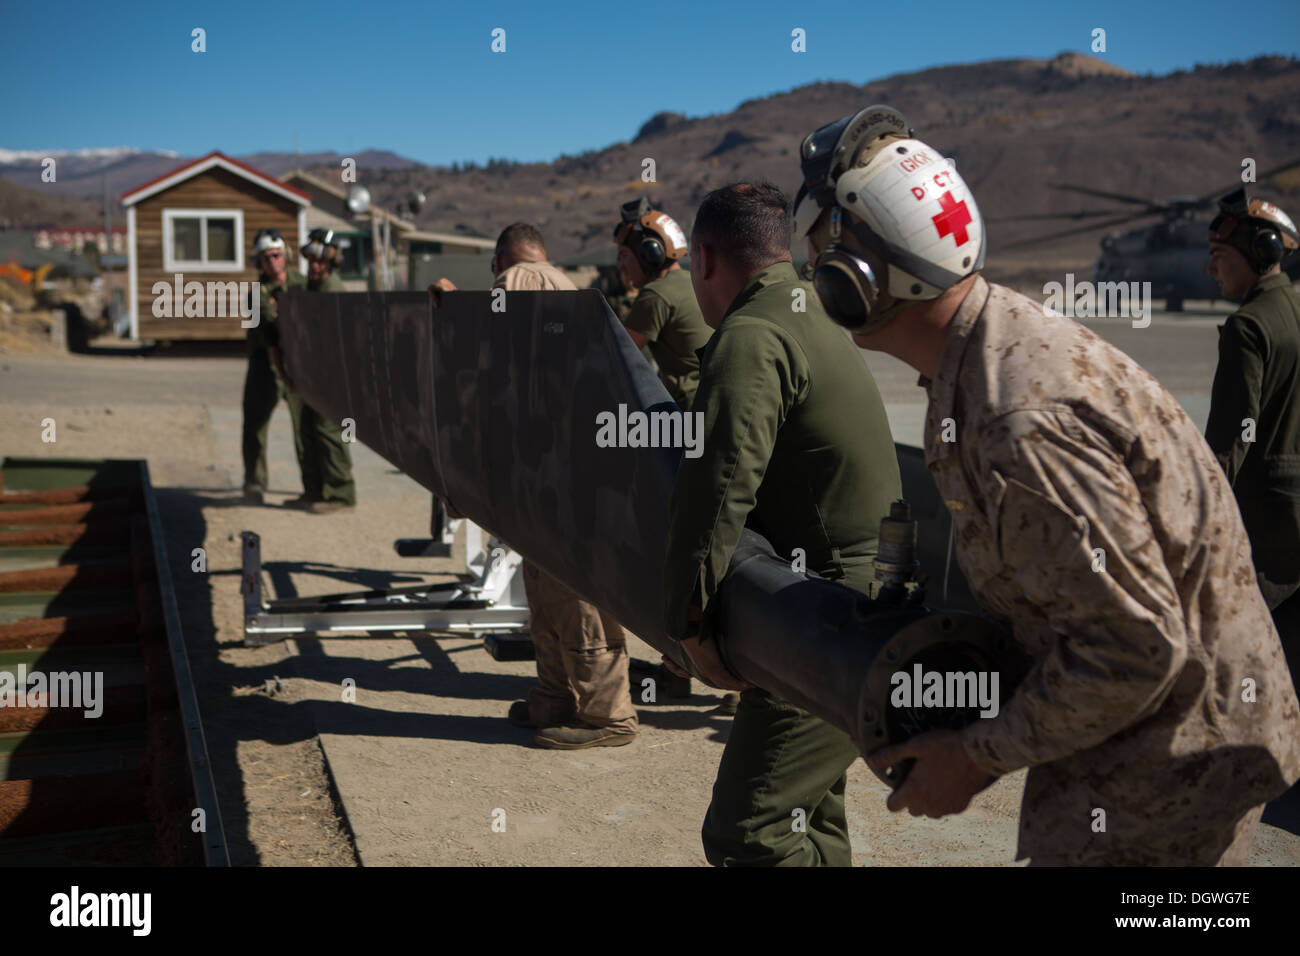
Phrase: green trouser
[779,760]
[262,392]
[326,464]
[1286,618]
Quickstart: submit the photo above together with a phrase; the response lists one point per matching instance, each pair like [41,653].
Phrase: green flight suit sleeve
[1235,394]
[270,322]
[648,315]
[753,376]
[262,335]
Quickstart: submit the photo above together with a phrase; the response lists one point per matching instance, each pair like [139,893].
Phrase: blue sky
[420,78]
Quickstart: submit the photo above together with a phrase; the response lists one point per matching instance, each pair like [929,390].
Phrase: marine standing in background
[266,382]
[664,320]
[326,463]
[584,697]
[1254,423]
[664,315]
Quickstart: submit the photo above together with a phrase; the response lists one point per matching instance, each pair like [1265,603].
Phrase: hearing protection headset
[653,237]
[323,244]
[1261,232]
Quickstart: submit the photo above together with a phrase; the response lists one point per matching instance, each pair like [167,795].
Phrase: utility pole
[108,222]
[376,250]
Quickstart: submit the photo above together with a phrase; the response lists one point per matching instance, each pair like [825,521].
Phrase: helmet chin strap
[885,310]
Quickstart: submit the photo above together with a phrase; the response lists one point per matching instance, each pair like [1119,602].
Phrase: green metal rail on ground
[88,618]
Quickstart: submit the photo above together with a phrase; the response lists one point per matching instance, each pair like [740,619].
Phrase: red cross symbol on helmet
[953,219]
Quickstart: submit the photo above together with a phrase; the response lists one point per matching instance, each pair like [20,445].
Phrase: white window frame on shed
[176,265]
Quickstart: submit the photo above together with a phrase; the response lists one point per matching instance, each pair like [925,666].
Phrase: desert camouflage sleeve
[1110,620]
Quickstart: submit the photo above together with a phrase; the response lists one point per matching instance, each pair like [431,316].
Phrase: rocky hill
[1014,127]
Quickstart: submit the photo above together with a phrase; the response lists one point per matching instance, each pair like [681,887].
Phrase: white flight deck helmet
[903,225]
[268,239]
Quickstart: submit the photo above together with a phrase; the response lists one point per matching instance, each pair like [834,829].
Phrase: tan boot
[580,736]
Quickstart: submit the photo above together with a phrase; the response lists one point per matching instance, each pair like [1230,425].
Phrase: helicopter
[1170,254]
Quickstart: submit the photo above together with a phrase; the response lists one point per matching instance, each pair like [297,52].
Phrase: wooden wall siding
[213,189]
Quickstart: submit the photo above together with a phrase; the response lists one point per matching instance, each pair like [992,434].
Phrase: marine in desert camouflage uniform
[1090,513]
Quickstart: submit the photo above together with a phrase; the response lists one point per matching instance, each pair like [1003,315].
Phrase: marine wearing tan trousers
[582,656]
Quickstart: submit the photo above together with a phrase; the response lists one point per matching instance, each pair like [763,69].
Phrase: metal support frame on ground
[493,602]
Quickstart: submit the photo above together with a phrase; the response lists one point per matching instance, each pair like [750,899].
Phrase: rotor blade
[1119,221]
[1117,197]
[1080,214]
[1259,178]
[495,417]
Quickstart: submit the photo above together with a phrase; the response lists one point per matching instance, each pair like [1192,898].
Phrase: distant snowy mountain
[81,172]
[107,152]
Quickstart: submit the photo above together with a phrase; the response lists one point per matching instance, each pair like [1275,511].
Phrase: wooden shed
[196,224]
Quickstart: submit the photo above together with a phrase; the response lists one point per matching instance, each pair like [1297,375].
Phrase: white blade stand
[491,603]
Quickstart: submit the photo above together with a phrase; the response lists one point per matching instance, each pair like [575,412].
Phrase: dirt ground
[419,767]
[277,805]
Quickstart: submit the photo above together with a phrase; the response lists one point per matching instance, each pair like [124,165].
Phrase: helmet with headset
[1260,231]
[652,236]
[324,244]
[892,220]
[268,239]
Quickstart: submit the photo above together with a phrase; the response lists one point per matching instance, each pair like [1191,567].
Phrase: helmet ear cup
[847,287]
[1267,247]
[651,255]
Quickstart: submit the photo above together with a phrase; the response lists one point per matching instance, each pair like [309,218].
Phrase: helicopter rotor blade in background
[1152,204]
[1259,178]
[1080,214]
[1119,221]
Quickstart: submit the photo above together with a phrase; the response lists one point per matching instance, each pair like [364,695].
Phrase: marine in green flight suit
[797,446]
[263,384]
[326,464]
[664,317]
[1254,421]
[667,315]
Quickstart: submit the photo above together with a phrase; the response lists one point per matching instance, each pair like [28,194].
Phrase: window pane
[356,256]
[185,240]
[221,240]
